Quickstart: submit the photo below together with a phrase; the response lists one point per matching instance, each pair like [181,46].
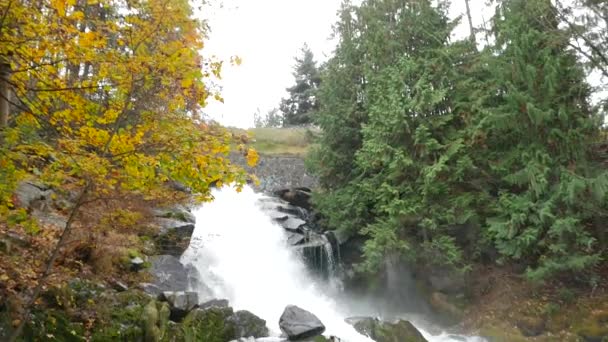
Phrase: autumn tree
[107,97]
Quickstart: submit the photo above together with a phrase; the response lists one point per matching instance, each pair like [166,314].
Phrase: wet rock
[300,197]
[178,212]
[379,331]
[214,303]
[169,273]
[294,239]
[198,322]
[293,224]
[298,323]
[248,325]
[173,237]
[180,303]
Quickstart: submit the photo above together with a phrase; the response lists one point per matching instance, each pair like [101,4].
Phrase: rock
[299,197]
[120,286]
[278,216]
[180,303]
[198,323]
[379,331]
[531,326]
[298,323]
[168,224]
[214,303]
[364,325]
[150,289]
[32,195]
[178,212]
[137,264]
[178,186]
[293,224]
[169,273]
[292,210]
[173,237]
[248,325]
[295,239]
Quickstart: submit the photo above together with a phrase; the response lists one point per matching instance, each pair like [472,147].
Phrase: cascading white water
[244,257]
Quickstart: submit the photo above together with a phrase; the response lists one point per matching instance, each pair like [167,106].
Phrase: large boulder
[173,236]
[32,195]
[215,323]
[248,325]
[298,323]
[178,212]
[380,331]
[180,303]
[169,274]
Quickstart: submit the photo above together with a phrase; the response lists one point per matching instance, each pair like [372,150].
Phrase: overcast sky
[267,35]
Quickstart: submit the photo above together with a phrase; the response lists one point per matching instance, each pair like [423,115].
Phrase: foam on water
[243,256]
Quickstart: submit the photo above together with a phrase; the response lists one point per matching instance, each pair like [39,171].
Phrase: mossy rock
[502,334]
[210,325]
[401,331]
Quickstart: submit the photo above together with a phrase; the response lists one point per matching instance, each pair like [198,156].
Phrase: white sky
[267,35]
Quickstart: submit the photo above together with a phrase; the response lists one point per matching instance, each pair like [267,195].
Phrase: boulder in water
[298,323]
[247,324]
[379,331]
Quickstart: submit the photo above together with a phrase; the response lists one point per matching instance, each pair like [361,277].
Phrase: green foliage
[422,136]
[297,109]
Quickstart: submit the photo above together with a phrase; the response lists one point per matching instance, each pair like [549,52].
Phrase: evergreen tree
[537,128]
[302,101]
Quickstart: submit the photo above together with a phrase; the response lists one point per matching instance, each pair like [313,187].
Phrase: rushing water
[243,256]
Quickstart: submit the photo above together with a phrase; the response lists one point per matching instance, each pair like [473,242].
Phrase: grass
[282,141]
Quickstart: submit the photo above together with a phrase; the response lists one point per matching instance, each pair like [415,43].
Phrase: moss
[502,334]
[52,324]
[208,325]
[593,330]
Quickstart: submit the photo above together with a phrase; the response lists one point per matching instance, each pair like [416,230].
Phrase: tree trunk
[5,70]
[472,30]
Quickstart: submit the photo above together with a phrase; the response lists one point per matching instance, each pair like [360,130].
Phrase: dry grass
[282,141]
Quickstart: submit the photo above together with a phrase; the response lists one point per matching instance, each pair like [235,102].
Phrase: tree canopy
[448,155]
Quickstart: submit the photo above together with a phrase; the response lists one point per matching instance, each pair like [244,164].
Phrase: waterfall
[242,256]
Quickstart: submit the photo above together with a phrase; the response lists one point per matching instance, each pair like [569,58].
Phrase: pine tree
[302,101]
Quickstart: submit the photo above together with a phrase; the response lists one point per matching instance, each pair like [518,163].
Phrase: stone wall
[278,172]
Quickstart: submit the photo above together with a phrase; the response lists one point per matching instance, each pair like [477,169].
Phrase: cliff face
[278,172]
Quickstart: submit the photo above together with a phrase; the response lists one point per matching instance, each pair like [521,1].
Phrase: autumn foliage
[106,98]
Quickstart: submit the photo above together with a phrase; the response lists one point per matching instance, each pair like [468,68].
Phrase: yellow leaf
[252,157]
